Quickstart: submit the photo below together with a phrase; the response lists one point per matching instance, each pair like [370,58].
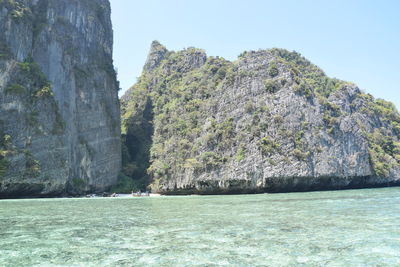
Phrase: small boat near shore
[140,194]
[136,194]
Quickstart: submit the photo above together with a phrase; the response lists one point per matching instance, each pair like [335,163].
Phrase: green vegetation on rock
[384,151]
[18,9]
[15,89]
[212,159]
[300,154]
[272,85]
[36,80]
[6,148]
[191,117]
[30,83]
[32,166]
[241,153]
[5,52]
[273,69]
[384,142]
[4,163]
[29,79]
[268,146]
[308,77]
[179,96]
[78,183]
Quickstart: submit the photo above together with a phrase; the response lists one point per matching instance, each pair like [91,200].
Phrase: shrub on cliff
[273,69]
[272,85]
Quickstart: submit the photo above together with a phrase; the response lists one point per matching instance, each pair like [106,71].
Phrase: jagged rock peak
[186,59]
[156,54]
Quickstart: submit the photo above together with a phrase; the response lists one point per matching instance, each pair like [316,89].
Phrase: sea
[329,228]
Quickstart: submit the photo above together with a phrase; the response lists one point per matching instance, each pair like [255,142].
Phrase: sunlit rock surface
[270,121]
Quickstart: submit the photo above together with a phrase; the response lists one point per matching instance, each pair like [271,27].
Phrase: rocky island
[59,115]
[271,121]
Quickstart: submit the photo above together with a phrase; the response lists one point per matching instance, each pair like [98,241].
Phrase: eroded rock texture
[59,115]
[270,121]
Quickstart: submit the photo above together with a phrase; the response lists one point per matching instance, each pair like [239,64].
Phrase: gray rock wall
[268,122]
[65,141]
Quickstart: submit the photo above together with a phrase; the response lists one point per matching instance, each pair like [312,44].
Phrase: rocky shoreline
[289,185]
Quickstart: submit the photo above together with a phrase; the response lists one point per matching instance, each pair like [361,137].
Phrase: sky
[353,40]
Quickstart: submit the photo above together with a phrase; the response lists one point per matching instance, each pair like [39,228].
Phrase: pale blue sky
[353,40]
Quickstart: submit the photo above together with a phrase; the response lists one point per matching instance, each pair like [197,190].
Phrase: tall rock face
[59,115]
[270,121]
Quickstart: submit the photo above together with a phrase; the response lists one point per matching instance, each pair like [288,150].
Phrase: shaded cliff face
[269,122]
[59,116]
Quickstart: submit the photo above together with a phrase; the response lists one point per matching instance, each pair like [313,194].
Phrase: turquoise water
[338,228]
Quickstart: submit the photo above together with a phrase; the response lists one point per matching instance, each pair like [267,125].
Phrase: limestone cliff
[270,121]
[59,115]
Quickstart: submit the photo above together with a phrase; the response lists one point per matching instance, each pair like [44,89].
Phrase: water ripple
[338,228]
